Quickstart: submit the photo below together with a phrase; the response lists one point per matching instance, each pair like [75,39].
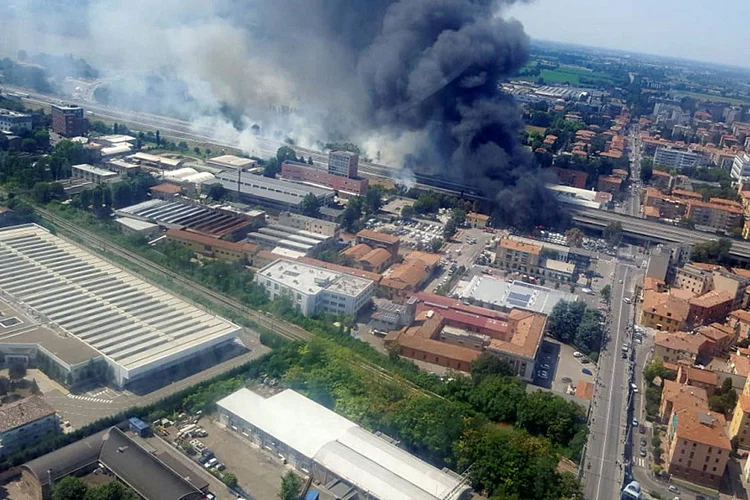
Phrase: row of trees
[360,208]
[272,165]
[574,323]
[73,488]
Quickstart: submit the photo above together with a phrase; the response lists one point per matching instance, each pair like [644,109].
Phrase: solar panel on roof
[519,297]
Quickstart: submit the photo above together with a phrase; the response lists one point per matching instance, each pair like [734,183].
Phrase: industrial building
[290,241]
[212,221]
[272,193]
[137,328]
[505,295]
[148,474]
[68,120]
[311,224]
[12,120]
[316,290]
[232,162]
[352,462]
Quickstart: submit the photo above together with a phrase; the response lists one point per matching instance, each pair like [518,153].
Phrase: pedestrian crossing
[640,462]
[89,398]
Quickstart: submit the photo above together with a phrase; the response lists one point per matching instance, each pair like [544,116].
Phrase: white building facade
[315,290]
[741,166]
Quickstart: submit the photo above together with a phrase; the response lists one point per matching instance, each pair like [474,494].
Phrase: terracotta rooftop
[744,401]
[651,211]
[477,216]
[405,275]
[659,173]
[438,348]
[682,193]
[166,188]
[684,396]
[695,374]
[680,341]
[584,390]
[650,283]
[703,426]
[712,299]
[179,234]
[357,251]
[376,257]
[23,412]
[745,273]
[520,246]
[707,267]
[665,305]
[716,332]
[723,201]
[378,236]
[610,178]
[429,259]
[741,364]
[527,334]
[741,315]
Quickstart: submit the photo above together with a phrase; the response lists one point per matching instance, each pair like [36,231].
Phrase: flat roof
[68,349]
[312,279]
[178,214]
[271,189]
[231,161]
[134,324]
[514,294]
[368,462]
[85,167]
[135,224]
[115,138]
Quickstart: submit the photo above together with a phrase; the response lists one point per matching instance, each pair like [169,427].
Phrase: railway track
[283,328]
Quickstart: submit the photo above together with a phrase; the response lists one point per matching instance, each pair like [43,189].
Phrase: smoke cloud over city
[408,80]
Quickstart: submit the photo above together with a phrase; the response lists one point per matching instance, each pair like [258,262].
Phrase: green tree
[449,230]
[647,170]
[407,213]
[498,398]
[4,385]
[436,244]
[285,153]
[574,237]
[158,138]
[310,205]
[229,479]
[271,168]
[373,200]
[712,252]
[488,364]
[654,369]
[69,488]
[28,145]
[122,194]
[606,293]
[42,193]
[459,216]
[114,490]
[290,486]
[217,192]
[590,332]
[564,320]
[613,233]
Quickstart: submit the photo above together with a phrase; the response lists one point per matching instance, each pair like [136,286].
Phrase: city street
[602,474]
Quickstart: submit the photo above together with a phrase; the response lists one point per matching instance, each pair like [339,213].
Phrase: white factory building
[139,329]
[316,290]
[350,461]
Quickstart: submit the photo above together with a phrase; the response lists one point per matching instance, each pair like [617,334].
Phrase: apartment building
[710,307]
[739,426]
[663,311]
[698,446]
[680,346]
[12,120]
[572,178]
[314,290]
[93,174]
[741,166]
[517,255]
[68,120]
[676,396]
[717,215]
[734,284]
[609,184]
[694,278]
[676,158]
[213,247]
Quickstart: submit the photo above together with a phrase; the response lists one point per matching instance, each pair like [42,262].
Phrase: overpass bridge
[652,231]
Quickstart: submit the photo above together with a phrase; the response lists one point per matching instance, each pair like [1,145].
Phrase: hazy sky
[705,30]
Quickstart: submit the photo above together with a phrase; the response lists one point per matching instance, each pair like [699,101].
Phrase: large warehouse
[352,462]
[137,327]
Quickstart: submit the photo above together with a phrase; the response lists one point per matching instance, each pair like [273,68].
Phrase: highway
[602,474]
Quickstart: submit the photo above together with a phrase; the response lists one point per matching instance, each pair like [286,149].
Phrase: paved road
[602,472]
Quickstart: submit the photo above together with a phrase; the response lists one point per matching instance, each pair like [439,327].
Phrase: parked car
[586,371]
[635,423]
[643,452]
[577,355]
[673,488]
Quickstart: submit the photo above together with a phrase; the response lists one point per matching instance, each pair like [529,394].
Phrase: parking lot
[258,473]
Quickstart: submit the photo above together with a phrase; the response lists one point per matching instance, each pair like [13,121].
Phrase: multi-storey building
[68,120]
[11,120]
[694,278]
[315,290]
[676,158]
[343,163]
[512,254]
[741,166]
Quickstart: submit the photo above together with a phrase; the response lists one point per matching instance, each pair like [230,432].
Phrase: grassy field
[567,74]
[714,98]
[535,130]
